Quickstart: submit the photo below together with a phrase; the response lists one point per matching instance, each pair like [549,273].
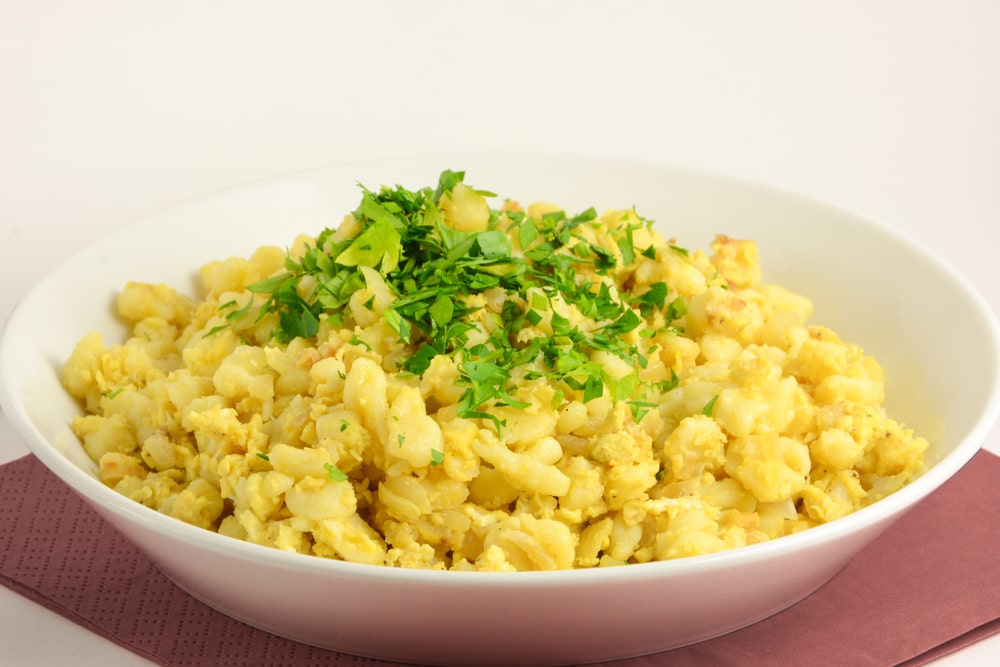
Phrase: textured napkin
[927,587]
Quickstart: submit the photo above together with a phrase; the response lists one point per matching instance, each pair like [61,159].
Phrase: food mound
[436,383]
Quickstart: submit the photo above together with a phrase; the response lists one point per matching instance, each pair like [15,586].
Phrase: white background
[111,110]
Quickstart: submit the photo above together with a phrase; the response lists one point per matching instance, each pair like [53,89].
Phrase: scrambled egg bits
[439,384]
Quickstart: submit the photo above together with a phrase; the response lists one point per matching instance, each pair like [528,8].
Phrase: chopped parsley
[435,272]
[335,473]
[709,408]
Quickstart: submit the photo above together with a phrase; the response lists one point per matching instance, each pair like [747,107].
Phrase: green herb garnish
[437,457]
[435,272]
[335,473]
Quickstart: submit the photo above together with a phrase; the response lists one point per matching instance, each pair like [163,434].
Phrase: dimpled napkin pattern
[926,587]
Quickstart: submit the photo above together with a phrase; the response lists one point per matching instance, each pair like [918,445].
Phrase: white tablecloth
[113,109]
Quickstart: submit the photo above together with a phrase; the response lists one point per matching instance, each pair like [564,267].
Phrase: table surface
[116,109]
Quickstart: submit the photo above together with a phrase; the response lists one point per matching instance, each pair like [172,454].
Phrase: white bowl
[935,337]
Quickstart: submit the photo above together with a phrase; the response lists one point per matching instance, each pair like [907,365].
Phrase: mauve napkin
[927,587]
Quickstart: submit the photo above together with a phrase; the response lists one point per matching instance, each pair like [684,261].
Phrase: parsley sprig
[434,271]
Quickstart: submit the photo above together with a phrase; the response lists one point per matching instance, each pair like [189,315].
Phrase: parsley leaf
[335,473]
